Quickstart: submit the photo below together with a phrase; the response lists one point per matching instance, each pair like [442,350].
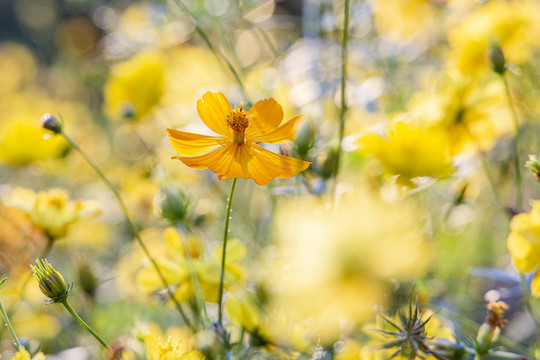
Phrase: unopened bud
[329,167]
[534,166]
[51,282]
[49,122]
[498,63]
[489,331]
[174,204]
[447,349]
[305,139]
[87,279]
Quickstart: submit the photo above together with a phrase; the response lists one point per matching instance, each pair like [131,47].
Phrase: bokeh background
[426,179]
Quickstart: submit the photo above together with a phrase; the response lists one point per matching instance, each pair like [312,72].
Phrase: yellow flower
[235,153]
[22,354]
[178,265]
[170,350]
[52,210]
[340,258]
[411,151]
[134,86]
[524,243]
[512,24]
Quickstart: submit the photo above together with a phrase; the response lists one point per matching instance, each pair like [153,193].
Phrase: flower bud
[305,139]
[498,63]
[489,331]
[49,122]
[534,165]
[2,282]
[174,204]
[51,282]
[448,349]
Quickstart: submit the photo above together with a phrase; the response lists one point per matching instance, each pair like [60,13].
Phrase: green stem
[517,164]
[8,324]
[224,252]
[343,110]
[85,325]
[218,54]
[132,225]
[195,283]
[527,301]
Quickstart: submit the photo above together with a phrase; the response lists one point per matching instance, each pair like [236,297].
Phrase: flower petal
[228,161]
[282,134]
[186,143]
[212,109]
[267,115]
[264,165]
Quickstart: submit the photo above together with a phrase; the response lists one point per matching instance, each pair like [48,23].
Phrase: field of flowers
[269,179]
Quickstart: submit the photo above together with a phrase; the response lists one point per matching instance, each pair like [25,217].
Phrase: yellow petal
[228,161]
[186,143]
[535,285]
[213,109]
[284,133]
[267,115]
[264,165]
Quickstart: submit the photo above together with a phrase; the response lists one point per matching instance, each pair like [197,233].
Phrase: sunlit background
[414,197]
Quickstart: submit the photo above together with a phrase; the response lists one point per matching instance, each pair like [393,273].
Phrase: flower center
[238,120]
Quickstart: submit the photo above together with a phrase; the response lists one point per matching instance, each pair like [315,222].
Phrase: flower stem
[517,164]
[224,252]
[218,54]
[132,225]
[85,325]
[8,324]
[343,110]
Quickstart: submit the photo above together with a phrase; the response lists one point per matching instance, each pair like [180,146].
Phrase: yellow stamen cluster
[238,120]
[168,347]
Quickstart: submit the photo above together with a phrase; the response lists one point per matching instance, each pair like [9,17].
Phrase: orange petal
[186,143]
[267,115]
[228,161]
[213,109]
[264,165]
[282,134]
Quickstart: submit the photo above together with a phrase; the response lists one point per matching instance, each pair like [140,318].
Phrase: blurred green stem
[195,283]
[218,54]
[517,165]
[224,252]
[85,325]
[10,328]
[134,228]
[343,109]
[527,298]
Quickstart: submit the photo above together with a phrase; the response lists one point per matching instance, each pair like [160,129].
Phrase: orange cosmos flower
[235,153]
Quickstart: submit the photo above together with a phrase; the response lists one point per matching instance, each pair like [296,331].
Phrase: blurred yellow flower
[17,67]
[135,86]
[235,153]
[473,111]
[332,264]
[511,24]
[52,210]
[25,355]
[172,349]
[524,243]
[410,151]
[177,266]
[405,20]
[23,142]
